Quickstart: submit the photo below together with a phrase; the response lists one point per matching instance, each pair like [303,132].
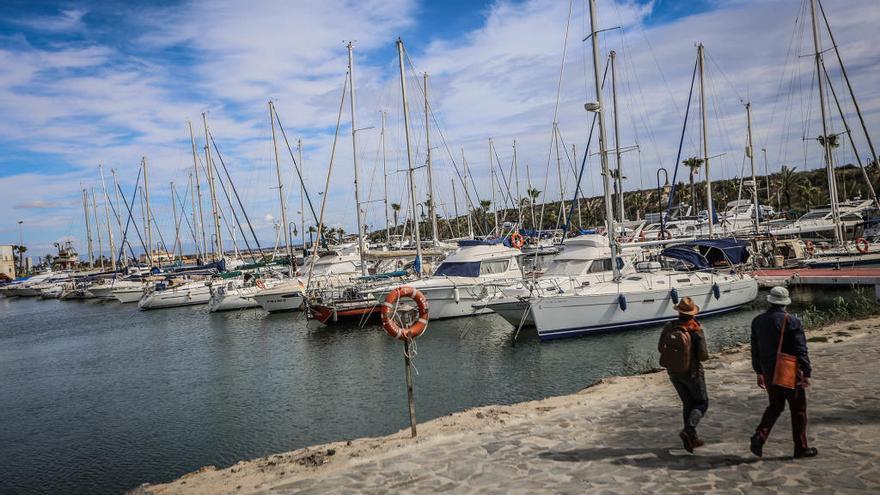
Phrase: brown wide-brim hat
[687,306]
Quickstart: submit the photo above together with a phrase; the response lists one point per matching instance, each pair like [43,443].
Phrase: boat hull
[574,315]
[128,295]
[173,298]
[278,302]
[232,300]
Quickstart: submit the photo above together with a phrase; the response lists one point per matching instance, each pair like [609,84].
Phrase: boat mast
[192,198]
[85,202]
[284,224]
[559,174]
[577,198]
[829,161]
[385,180]
[200,225]
[174,249]
[432,207]
[217,245]
[751,152]
[467,196]
[357,197]
[518,193]
[492,176]
[454,205]
[98,230]
[302,194]
[709,206]
[606,176]
[148,215]
[107,218]
[617,150]
[409,157]
[124,259]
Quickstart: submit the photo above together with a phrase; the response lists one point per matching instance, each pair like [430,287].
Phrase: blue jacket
[765,340]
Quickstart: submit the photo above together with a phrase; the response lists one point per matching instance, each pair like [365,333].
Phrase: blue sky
[88,83]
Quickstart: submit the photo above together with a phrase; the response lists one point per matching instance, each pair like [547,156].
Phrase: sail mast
[284,224]
[829,161]
[148,214]
[617,147]
[85,202]
[98,230]
[354,130]
[200,225]
[609,214]
[492,176]
[409,157]
[709,207]
[217,245]
[751,152]
[385,181]
[107,218]
[432,207]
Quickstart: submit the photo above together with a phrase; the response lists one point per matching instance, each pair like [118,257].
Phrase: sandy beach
[616,436]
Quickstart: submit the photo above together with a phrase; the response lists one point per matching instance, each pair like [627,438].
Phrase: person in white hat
[767,329]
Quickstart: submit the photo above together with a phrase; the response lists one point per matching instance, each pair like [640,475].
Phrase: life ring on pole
[811,248]
[862,245]
[389,306]
[517,240]
[259,283]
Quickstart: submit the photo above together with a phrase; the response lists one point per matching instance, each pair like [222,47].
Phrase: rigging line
[681,141]
[326,182]
[131,219]
[299,174]
[229,202]
[191,228]
[237,198]
[119,221]
[439,129]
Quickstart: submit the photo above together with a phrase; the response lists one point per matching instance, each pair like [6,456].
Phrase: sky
[89,84]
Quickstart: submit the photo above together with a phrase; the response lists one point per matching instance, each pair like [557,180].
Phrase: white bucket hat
[779,295]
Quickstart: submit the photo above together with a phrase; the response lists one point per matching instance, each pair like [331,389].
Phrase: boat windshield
[458,269]
[567,267]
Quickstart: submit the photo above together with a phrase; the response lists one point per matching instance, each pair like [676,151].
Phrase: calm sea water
[100,397]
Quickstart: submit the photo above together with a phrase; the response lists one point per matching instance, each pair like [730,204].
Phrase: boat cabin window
[603,265]
[567,267]
[493,267]
[458,269]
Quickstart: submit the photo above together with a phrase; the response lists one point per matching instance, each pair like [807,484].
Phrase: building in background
[7,261]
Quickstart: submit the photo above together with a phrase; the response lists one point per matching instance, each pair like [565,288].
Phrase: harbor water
[100,397]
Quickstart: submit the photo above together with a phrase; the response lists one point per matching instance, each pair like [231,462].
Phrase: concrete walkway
[620,436]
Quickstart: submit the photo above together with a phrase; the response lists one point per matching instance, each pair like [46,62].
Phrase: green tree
[787,181]
[395,208]
[693,164]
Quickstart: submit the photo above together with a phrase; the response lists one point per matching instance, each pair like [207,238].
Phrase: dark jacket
[765,340]
[699,349]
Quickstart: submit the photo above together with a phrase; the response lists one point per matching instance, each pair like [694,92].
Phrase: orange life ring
[811,248]
[862,245]
[259,283]
[388,323]
[642,236]
[517,240]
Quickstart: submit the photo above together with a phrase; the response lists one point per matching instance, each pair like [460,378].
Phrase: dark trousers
[797,404]
[691,388]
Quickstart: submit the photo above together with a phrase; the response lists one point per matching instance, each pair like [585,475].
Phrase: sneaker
[757,446]
[807,452]
[687,441]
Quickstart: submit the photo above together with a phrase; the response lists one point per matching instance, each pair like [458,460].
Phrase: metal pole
[432,208]
[409,158]
[767,176]
[829,161]
[618,154]
[709,204]
[149,215]
[192,198]
[124,259]
[98,230]
[217,244]
[407,352]
[574,156]
[107,218]
[455,206]
[518,192]
[281,190]
[559,173]
[467,197]
[385,182]
[751,152]
[200,225]
[357,197]
[88,228]
[302,196]
[176,248]
[20,244]
[492,174]
[606,175]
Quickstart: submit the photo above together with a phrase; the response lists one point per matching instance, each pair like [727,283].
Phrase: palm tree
[638,202]
[786,182]
[809,193]
[693,164]
[395,207]
[485,204]
[533,198]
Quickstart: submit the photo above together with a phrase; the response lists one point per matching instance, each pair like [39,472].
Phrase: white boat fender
[456,294]
[621,301]
[673,294]
[716,291]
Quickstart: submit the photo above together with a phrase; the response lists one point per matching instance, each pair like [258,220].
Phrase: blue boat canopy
[708,253]
[479,242]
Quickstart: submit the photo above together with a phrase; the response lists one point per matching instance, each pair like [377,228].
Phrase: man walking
[767,329]
[682,347]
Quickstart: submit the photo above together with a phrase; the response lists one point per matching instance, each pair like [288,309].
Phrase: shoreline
[599,403]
